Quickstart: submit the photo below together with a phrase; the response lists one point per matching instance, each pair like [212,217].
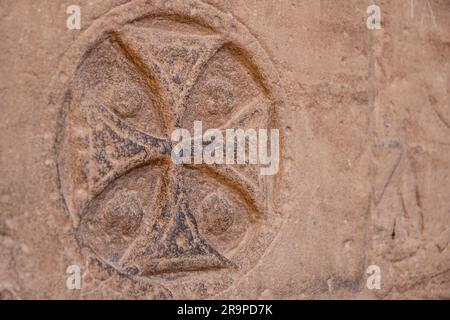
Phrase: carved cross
[169,67]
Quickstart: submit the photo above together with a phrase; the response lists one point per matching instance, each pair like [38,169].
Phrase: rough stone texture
[85,151]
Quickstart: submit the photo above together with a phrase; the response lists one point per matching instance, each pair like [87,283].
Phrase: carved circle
[191,230]
[217,214]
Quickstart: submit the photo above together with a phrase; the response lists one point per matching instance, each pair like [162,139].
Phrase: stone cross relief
[131,90]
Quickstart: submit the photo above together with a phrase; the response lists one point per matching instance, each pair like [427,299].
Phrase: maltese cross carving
[132,207]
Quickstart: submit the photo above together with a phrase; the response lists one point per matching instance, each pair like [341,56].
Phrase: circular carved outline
[231,30]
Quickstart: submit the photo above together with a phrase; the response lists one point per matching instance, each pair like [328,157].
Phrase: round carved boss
[134,76]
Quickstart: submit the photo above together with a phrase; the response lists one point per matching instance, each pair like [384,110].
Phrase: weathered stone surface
[88,179]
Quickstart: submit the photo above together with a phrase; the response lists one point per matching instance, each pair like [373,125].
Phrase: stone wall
[88,184]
